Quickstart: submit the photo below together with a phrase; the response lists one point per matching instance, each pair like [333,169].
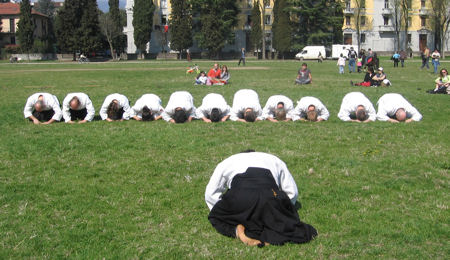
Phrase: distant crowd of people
[44,108]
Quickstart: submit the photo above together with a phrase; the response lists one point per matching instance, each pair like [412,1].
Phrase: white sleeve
[215,187]
[28,110]
[382,113]
[266,112]
[295,113]
[126,110]
[415,115]
[192,113]
[103,110]
[166,116]
[234,114]
[90,110]
[344,113]
[287,183]
[324,113]
[65,109]
[372,112]
[55,106]
[200,112]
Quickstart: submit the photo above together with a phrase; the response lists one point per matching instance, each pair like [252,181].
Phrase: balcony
[386,11]
[349,10]
[424,12]
[386,28]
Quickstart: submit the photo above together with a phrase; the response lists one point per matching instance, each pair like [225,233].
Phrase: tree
[25,26]
[265,3]
[89,30]
[115,25]
[109,30]
[440,19]
[142,23]
[216,20]
[67,24]
[46,7]
[360,9]
[281,28]
[256,32]
[395,6]
[405,6]
[180,25]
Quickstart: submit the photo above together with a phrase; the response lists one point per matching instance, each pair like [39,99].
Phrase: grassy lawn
[136,190]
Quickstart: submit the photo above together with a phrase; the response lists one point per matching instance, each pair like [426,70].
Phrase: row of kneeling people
[45,107]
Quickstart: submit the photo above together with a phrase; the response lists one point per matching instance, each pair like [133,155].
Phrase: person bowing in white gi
[278,108]
[180,108]
[77,106]
[115,108]
[311,109]
[214,108]
[42,108]
[147,108]
[356,107]
[251,196]
[395,108]
[246,106]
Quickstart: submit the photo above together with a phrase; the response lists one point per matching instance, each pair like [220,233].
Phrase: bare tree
[265,3]
[109,29]
[395,6]
[405,7]
[441,20]
[359,11]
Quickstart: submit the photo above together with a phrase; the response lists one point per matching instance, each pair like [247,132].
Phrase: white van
[337,49]
[311,53]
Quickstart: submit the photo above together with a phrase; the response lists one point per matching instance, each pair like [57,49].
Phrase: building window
[423,21]
[348,38]
[12,26]
[267,3]
[363,38]
[347,4]
[409,21]
[363,3]
[422,3]
[13,40]
[386,4]
[163,4]
[409,38]
[409,4]
[347,20]
[363,20]
[268,18]
[385,20]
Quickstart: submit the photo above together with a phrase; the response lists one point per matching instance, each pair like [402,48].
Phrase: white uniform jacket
[350,103]
[244,99]
[152,101]
[123,103]
[211,101]
[181,99]
[302,108]
[50,102]
[85,102]
[271,106]
[388,104]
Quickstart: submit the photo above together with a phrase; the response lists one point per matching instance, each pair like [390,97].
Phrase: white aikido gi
[226,170]
[271,106]
[211,101]
[152,101]
[50,102]
[350,103]
[123,103]
[388,104]
[85,102]
[244,99]
[302,108]
[181,99]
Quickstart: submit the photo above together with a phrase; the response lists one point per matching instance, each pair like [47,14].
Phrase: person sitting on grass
[251,196]
[147,108]
[214,75]
[201,79]
[224,76]
[278,108]
[304,75]
[246,106]
[115,108]
[380,79]
[395,108]
[442,83]
[180,108]
[356,107]
[214,108]
[310,109]
[77,106]
[42,108]
[368,81]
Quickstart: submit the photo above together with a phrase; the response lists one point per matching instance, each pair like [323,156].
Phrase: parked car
[311,53]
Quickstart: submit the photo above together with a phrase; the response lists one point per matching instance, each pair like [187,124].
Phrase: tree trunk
[264,32]
[112,50]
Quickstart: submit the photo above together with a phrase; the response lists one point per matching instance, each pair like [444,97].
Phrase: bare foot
[245,239]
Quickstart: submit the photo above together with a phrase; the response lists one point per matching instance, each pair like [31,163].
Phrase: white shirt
[50,102]
[211,101]
[302,108]
[271,106]
[388,104]
[152,101]
[85,102]
[181,99]
[350,103]
[341,61]
[244,99]
[123,103]
[226,170]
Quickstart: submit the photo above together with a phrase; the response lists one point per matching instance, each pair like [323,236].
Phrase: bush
[40,46]
[12,49]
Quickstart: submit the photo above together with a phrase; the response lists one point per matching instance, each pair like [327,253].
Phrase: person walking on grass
[77,106]
[341,64]
[251,196]
[435,56]
[42,108]
[425,58]
[403,57]
[396,59]
[352,55]
[242,57]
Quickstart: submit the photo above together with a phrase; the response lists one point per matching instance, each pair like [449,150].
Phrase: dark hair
[113,110]
[250,116]
[180,116]
[361,114]
[147,114]
[304,64]
[280,103]
[441,72]
[215,115]
[370,69]
[248,151]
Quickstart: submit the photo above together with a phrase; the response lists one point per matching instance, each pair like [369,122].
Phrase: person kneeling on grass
[251,196]
[310,109]
[42,108]
[278,108]
[395,108]
[147,108]
[356,107]
[77,106]
[180,108]
[115,108]
[246,106]
[214,108]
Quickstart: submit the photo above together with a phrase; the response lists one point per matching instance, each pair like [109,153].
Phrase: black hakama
[266,212]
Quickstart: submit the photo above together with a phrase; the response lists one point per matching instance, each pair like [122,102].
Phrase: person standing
[396,58]
[242,57]
[341,64]
[77,106]
[42,108]
[352,55]
[251,196]
[435,56]
[425,58]
[403,57]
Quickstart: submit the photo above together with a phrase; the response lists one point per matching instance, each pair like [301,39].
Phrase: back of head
[400,114]
[180,116]
[361,114]
[113,110]
[311,115]
[215,115]
[39,105]
[147,114]
[280,114]
[250,116]
[74,103]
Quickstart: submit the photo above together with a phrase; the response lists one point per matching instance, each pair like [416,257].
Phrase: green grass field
[136,190]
